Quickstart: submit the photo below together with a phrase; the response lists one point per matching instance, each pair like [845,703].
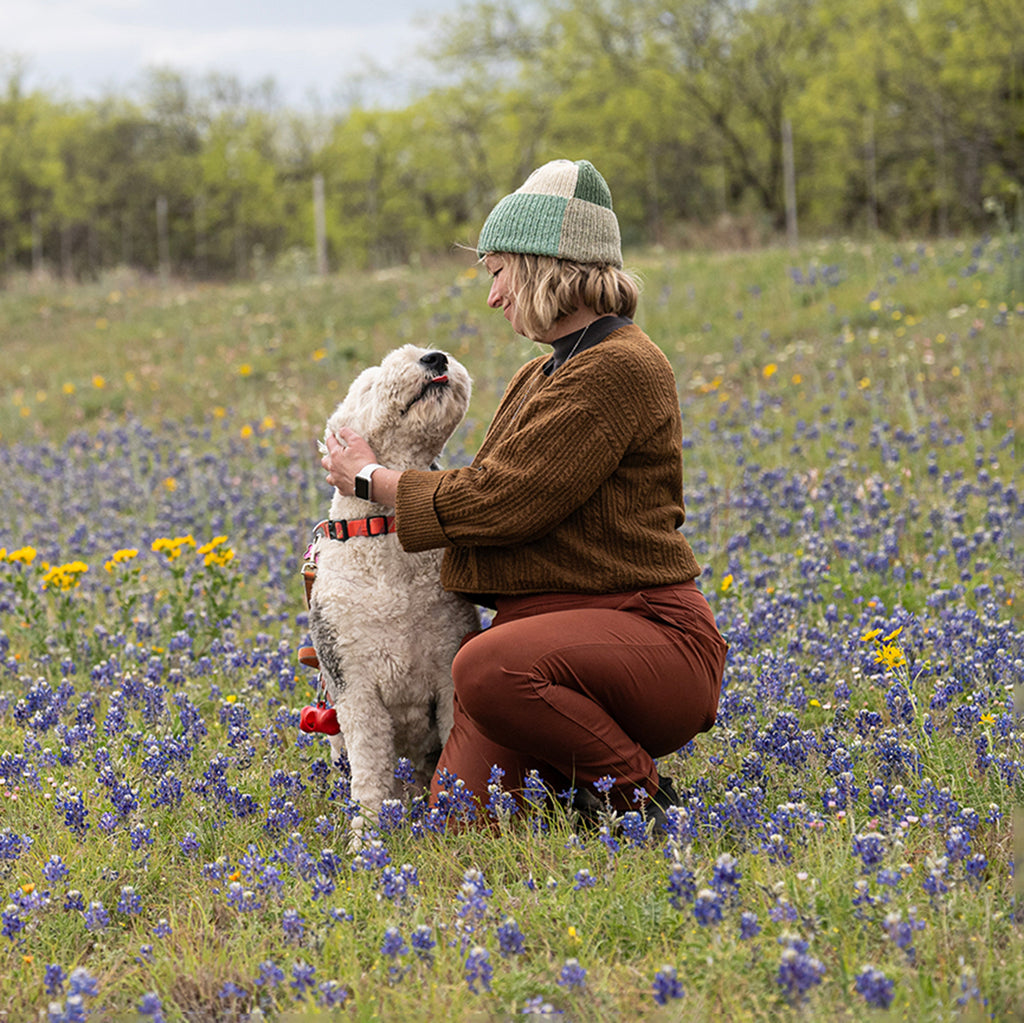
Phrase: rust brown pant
[579,687]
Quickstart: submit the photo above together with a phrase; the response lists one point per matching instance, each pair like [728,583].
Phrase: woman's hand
[347,453]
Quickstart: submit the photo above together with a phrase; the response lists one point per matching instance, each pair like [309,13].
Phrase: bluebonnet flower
[231,990]
[536,1006]
[162,928]
[783,911]
[473,897]
[777,849]
[749,926]
[634,827]
[55,870]
[511,940]
[96,917]
[478,969]
[53,979]
[396,885]
[707,907]
[535,792]
[331,994]
[81,985]
[423,943]
[604,784]
[889,878]
[958,844]
[129,902]
[293,925]
[302,979]
[405,772]
[901,932]
[969,990]
[151,1007]
[372,856]
[241,898]
[870,848]
[667,985]
[934,883]
[391,816]
[74,901]
[976,866]
[798,971]
[500,804]
[573,975]
[75,813]
[725,877]
[876,987]
[454,800]
[270,975]
[682,886]
[394,946]
[168,792]
[140,836]
[11,922]
[584,879]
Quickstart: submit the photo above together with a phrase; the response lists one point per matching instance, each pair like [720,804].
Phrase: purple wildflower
[667,985]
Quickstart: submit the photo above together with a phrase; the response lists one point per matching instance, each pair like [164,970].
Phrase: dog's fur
[384,630]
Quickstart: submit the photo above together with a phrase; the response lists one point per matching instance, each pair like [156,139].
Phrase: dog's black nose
[436,362]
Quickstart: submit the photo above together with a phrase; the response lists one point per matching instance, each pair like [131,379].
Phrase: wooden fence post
[320,225]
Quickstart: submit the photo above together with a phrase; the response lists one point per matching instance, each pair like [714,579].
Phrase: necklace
[533,387]
[572,351]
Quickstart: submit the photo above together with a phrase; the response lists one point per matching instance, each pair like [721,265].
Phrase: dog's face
[407,407]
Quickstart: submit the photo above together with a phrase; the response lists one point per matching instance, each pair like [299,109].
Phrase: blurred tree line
[900,116]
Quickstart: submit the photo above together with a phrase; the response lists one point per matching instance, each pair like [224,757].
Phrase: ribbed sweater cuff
[416,521]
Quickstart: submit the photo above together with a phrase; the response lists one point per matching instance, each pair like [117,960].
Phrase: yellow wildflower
[172,547]
[120,557]
[207,547]
[890,656]
[65,577]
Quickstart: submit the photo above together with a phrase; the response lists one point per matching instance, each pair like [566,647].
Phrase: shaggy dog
[384,630]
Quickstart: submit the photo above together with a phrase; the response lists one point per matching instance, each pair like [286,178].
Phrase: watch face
[363,488]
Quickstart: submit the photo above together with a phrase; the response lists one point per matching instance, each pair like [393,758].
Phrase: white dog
[384,630]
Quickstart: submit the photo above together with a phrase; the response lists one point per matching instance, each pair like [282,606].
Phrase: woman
[603,654]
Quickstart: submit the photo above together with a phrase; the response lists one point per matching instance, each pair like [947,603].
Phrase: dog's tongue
[442,379]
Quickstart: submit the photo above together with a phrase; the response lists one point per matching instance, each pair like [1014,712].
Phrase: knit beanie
[563,209]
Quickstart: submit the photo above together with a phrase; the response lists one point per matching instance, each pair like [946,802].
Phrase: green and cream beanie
[563,209]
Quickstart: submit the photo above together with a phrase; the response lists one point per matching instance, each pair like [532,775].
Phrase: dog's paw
[358,836]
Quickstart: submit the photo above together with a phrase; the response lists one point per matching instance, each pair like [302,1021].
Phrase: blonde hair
[547,289]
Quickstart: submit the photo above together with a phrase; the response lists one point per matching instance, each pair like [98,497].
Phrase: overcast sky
[86,48]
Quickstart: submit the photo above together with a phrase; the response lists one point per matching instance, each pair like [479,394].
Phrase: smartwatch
[364,481]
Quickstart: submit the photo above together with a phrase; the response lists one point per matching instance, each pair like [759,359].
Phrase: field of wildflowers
[173,847]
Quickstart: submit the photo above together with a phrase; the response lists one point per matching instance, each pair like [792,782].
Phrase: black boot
[665,797]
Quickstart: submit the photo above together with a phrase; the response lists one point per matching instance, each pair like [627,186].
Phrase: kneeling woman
[603,653]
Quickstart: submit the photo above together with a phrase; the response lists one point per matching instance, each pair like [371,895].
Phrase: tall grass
[172,846]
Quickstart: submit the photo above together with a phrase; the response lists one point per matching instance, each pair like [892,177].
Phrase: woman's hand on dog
[347,453]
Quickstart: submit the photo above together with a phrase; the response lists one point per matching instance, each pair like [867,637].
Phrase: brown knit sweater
[577,486]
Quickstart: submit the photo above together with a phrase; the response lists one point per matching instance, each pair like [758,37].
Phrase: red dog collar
[343,529]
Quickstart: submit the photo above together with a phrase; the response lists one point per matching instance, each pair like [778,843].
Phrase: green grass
[853,463]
